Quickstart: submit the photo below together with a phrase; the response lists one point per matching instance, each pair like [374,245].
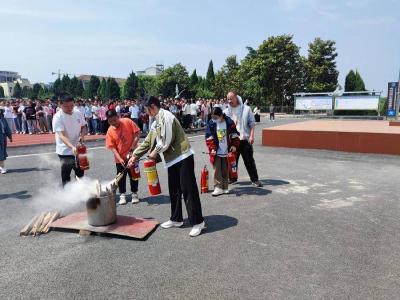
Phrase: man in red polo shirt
[122,137]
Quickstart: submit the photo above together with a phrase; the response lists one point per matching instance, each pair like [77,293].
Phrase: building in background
[9,79]
[152,71]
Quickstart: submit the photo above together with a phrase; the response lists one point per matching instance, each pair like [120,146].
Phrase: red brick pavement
[20,140]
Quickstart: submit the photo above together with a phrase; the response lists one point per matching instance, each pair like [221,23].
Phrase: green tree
[65,86]
[171,76]
[147,86]
[359,82]
[35,91]
[350,82]
[76,87]
[1,92]
[227,78]
[194,79]
[45,93]
[57,87]
[17,90]
[321,69]
[25,92]
[102,89]
[275,73]
[93,87]
[131,86]
[112,89]
[210,77]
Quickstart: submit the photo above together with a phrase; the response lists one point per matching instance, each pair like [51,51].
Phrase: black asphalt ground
[325,226]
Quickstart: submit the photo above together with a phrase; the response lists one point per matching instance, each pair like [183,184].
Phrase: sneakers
[217,192]
[196,230]
[135,198]
[257,183]
[3,170]
[122,199]
[170,224]
[225,191]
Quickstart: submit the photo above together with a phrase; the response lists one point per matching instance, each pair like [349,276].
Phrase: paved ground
[325,226]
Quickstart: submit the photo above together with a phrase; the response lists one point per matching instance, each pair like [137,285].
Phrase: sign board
[393,89]
[357,102]
[313,103]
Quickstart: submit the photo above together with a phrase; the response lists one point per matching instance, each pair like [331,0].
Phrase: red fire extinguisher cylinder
[232,166]
[152,177]
[204,180]
[81,157]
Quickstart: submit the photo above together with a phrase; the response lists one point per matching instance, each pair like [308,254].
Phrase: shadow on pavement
[219,222]
[156,200]
[25,170]
[251,191]
[19,195]
[272,182]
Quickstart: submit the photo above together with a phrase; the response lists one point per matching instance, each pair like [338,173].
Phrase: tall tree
[102,89]
[359,82]
[57,87]
[322,74]
[172,76]
[350,82]
[210,77]
[275,73]
[131,86]
[35,91]
[76,87]
[194,79]
[94,84]
[112,89]
[227,78]
[17,90]
[1,92]
[65,85]
[147,86]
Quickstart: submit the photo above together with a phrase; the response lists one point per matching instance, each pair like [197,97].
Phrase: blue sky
[113,37]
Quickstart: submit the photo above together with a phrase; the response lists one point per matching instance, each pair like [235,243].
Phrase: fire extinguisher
[232,166]
[152,177]
[81,157]
[135,169]
[204,180]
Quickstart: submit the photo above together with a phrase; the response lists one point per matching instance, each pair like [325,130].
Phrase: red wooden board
[125,226]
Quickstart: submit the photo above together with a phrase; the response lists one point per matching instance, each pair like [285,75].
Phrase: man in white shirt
[95,120]
[193,112]
[134,111]
[70,127]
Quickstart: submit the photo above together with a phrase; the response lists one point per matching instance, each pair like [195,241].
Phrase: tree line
[271,73]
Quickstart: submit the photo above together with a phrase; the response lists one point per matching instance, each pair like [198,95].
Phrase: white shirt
[193,109]
[8,112]
[134,110]
[71,125]
[94,111]
[186,109]
[222,139]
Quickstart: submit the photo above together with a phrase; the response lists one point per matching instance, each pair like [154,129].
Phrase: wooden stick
[27,228]
[45,221]
[54,217]
[37,224]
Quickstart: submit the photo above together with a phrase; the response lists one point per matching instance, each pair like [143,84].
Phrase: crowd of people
[25,116]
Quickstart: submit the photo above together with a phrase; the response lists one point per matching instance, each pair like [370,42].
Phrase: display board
[313,103]
[393,89]
[357,103]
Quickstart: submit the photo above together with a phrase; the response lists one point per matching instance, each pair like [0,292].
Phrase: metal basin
[101,211]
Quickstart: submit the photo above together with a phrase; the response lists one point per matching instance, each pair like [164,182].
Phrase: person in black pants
[68,164]
[70,128]
[243,117]
[167,140]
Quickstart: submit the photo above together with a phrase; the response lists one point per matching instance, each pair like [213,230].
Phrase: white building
[152,71]
[8,86]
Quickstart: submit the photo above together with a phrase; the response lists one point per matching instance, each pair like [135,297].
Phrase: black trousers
[182,181]
[67,165]
[246,151]
[272,116]
[122,182]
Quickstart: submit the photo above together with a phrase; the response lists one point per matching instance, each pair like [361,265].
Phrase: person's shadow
[216,223]
[26,170]
[273,182]
[22,195]
[156,200]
